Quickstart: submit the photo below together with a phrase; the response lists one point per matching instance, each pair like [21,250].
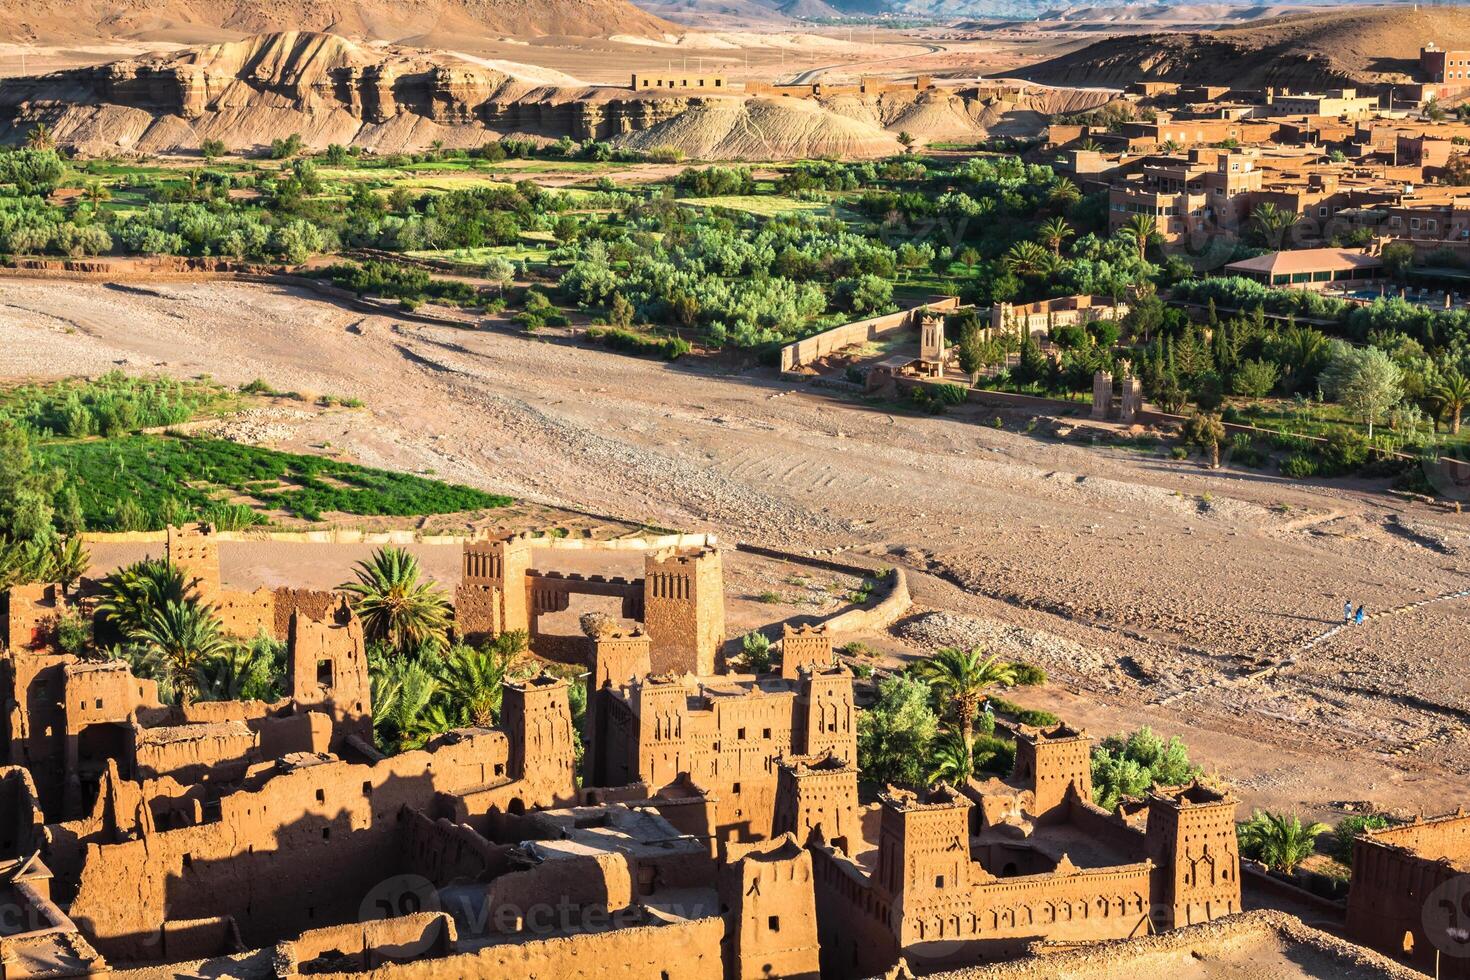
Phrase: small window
[321,796]
[99,703]
[740,734]
[188,860]
[939,881]
[500,769]
[367,787]
[765,733]
[773,923]
[326,833]
[324,673]
[735,789]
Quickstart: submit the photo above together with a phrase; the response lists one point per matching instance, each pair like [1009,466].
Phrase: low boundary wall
[817,346]
[658,542]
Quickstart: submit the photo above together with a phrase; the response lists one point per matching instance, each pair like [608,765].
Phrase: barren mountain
[387,20]
[1356,46]
[389,98]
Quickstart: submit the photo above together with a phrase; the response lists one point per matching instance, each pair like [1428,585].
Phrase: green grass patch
[171,477]
[764,206]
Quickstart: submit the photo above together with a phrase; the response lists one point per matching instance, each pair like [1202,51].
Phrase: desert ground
[1152,590]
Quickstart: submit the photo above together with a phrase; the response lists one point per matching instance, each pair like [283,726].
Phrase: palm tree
[184,635]
[96,192]
[961,677]
[394,605]
[404,713]
[1141,228]
[1025,259]
[242,672]
[1064,193]
[1450,398]
[1278,841]
[1301,351]
[131,595]
[1272,222]
[471,680]
[949,760]
[40,137]
[1053,232]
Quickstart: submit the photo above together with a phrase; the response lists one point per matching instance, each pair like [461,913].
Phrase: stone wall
[817,346]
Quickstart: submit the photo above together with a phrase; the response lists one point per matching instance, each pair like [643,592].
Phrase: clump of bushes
[1128,765]
[633,342]
[540,312]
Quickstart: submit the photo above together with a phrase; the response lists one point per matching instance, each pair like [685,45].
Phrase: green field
[761,205]
[169,475]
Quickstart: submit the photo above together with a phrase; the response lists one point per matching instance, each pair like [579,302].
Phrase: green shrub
[1028,675]
[644,345]
[1350,827]
[1299,466]
[1344,452]
[1026,716]
[1128,765]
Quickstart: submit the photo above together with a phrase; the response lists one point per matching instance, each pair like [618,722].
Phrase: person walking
[1359,616]
[1347,611]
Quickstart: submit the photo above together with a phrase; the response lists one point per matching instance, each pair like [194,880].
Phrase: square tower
[661,710]
[923,849]
[771,926]
[491,597]
[826,720]
[804,647]
[1191,839]
[614,662]
[817,798]
[1053,761]
[537,721]
[684,610]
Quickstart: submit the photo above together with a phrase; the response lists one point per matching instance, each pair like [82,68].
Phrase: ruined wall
[367,945]
[327,671]
[339,819]
[31,614]
[311,603]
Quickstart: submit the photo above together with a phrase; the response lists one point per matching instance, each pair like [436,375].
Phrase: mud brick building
[1409,892]
[963,875]
[680,601]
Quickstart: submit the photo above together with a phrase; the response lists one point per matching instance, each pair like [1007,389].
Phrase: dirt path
[1180,583]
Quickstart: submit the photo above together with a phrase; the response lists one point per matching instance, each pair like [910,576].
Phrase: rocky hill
[1352,46]
[387,98]
[390,20]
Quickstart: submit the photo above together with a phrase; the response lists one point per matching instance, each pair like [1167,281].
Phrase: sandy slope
[1319,48]
[1172,594]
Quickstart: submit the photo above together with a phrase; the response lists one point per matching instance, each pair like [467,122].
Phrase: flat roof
[1306,260]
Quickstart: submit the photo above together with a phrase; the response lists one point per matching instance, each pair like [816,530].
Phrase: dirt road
[1175,584]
